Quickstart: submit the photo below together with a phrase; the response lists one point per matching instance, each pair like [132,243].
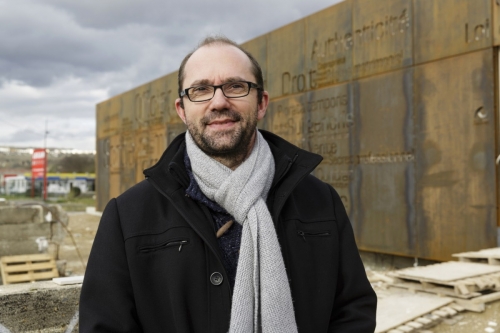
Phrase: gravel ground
[83,227]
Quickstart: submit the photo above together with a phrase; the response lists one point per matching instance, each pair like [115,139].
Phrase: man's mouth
[223,120]
[221,123]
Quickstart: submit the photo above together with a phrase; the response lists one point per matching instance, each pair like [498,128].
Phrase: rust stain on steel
[288,75]
[496,22]
[258,48]
[286,118]
[456,204]
[384,148]
[382,36]
[397,95]
[328,52]
[328,132]
[449,27]
[102,174]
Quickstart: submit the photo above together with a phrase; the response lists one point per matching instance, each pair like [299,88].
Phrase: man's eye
[200,89]
[236,85]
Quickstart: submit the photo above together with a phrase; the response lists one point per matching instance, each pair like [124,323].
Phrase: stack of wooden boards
[487,256]
[401,311]
[437,291]
[28,268]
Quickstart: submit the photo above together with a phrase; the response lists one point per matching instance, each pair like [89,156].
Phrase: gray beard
[238,147]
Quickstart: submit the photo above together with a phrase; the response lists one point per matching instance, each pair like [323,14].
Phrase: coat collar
[292,165]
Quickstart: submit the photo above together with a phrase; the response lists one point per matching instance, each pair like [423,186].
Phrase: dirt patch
[83,227]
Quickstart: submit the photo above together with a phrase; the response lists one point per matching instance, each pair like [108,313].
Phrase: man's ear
[179,107]
[262,106]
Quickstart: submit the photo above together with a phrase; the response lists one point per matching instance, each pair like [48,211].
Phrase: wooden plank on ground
[26,257]
[434,277]
[478,304]
[397,309]
[446,272]
[28,268]
[490,256]
[439,290]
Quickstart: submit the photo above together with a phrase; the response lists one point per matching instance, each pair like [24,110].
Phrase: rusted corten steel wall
[399,96]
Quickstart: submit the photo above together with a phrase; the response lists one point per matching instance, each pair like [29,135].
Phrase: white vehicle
[61,186]
[15,185]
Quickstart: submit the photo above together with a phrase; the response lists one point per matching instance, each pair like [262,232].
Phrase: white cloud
[61,57]
[67,106]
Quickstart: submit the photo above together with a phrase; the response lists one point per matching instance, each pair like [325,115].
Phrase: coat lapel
[170,178]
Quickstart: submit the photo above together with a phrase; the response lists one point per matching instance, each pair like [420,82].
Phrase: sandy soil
[84,226]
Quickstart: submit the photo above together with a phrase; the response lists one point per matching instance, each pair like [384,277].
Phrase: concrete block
[21,226]
[22,238]
[11,248]
[57,213]
[21,214]
[16,232]
[39,307]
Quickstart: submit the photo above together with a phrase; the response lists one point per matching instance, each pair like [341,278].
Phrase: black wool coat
[155,265]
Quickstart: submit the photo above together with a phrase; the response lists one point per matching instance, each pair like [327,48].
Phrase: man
[229,232]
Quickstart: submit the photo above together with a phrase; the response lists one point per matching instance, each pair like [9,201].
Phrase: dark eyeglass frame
[251,85]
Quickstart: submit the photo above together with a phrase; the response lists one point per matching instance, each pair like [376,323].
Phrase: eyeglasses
[230,90]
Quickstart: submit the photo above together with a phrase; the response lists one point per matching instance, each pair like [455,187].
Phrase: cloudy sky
[58,58]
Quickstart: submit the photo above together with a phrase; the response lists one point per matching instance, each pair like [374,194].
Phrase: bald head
[220,41]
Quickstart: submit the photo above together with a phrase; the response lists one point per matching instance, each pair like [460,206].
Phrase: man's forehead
[217,63]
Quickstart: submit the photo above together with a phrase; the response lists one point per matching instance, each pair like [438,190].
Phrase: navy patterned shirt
[230,241]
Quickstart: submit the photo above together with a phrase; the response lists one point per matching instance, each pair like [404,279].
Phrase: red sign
[38,163]
[39,169]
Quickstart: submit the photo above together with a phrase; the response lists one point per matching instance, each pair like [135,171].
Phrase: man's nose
[219,101]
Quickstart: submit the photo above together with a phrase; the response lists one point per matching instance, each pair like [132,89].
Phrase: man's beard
[240,137]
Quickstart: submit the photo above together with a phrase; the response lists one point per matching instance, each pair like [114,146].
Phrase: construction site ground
[83,228]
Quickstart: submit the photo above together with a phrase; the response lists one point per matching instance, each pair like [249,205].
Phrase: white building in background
[14,185]
[57,184]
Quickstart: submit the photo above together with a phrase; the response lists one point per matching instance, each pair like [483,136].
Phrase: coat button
[216,278]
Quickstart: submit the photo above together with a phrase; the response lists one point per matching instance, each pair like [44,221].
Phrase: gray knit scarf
[262,301]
